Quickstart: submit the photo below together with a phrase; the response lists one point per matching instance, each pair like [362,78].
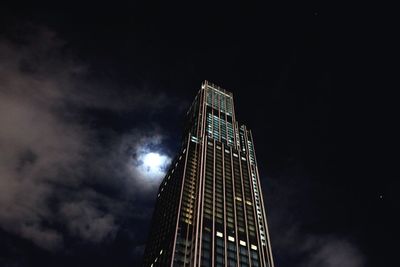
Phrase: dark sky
[86,89]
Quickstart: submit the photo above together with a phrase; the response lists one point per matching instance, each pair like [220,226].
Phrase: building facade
[210,209]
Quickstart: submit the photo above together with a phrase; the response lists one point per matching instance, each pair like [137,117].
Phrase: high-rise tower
[210,210]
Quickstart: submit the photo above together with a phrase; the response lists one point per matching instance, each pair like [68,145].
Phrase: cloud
[88,222]
[124,157]
[37,146]
[333,252]
[308,249]
[56,177]
[294,242]
[43,237]
[148,176]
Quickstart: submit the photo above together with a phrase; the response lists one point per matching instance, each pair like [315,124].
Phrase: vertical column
[219,244]
[230,208]
[264,216]
[197,233]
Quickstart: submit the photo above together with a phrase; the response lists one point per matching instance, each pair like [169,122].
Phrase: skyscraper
[210,210]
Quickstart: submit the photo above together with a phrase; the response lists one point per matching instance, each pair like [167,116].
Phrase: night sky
[88,90]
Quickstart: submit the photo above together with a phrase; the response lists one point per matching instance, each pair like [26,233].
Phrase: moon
[153,165]
[153,161]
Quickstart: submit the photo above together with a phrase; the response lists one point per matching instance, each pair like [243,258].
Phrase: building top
[209,85]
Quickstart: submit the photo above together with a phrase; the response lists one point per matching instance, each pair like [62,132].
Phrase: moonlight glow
[153,161]
[152,165]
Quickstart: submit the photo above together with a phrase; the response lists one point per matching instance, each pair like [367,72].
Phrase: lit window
[231,238]
[161,251]
[219,234]
[242,243]
[253,247]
